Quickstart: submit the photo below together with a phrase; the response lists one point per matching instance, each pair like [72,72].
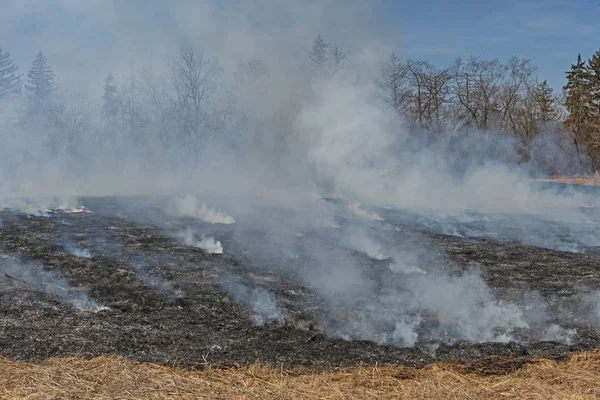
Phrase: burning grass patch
[110,378]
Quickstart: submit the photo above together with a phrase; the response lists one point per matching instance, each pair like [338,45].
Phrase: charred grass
[187,338]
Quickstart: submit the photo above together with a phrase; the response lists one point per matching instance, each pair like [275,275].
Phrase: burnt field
[127,279]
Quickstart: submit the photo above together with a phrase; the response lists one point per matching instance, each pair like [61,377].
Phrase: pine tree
[40,86]
[338,57]
[10,81]
[577,103]
[546,102]
[112,101]
[592,81]
[318,53]
[393,74]
[577,99]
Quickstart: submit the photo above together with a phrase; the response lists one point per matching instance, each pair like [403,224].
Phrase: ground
[115,378]
[176,309]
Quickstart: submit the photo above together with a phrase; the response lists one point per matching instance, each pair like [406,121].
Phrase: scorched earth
[127,279]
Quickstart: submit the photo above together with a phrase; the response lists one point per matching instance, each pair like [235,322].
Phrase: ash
[440,294]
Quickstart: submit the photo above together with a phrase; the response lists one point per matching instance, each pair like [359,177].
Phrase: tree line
[187,101]
[582,100]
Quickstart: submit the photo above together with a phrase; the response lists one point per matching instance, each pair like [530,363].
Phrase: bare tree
[193,79]
[131,120]
[476,85]
[434,88]
[518,84]
[76,118]
[157,100]
[416,96]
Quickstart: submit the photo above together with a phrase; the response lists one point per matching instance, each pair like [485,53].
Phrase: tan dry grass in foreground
[115,378]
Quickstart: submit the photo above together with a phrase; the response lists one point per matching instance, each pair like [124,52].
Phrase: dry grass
[585,180]
[115,378]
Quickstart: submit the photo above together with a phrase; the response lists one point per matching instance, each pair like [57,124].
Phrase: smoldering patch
[207,244]
[36,277]
[264,305]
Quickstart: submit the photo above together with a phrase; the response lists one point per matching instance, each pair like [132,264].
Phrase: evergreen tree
[391,82]
[546,102]
[317,55]
[577,103]
[112,101]
[10,81]
[338,57]
[40,87]
[592,81]
[577,99]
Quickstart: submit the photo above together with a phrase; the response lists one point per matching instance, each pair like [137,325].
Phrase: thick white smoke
[211,246]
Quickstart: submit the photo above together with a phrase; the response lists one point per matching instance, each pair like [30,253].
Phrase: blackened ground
[166,302]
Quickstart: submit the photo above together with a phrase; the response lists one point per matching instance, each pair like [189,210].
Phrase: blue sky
[549,32]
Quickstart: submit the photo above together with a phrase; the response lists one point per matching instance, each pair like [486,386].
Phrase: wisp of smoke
[189,206]
[367,246]
[42,206]
[38,278]
[263,304]
[79,252]
[158,284]
[207,244]
[356,210]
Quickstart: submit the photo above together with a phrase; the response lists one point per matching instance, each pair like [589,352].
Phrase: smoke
[157,283]
[208,244]
[327,134]
[356,209]
[37,277]
[268,149]
[43,206]
[367,246]
[401,266]
[405,334]
[406,296]
[263,304]
[432,307]
[465,304]
[556,333]
[189,206]
[79,252]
